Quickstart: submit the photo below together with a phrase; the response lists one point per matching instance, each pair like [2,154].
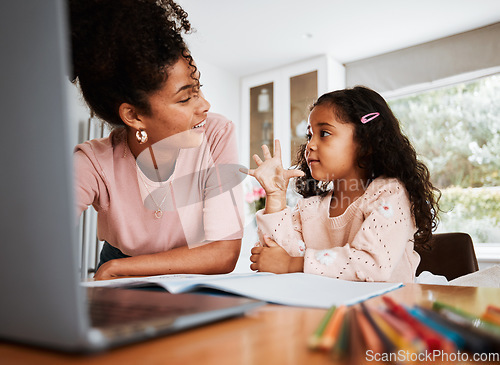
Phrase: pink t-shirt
[202,201]
[371,241]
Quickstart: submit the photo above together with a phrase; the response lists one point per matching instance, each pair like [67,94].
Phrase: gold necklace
[158,212]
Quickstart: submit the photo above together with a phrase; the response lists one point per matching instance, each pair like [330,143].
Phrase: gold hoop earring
[142,136]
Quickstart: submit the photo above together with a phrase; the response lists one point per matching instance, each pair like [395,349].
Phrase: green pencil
[315,338]
[474,320]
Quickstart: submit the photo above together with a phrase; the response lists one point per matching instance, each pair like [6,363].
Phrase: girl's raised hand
[270,173]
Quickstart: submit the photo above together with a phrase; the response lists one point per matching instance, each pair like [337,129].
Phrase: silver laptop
[41,301]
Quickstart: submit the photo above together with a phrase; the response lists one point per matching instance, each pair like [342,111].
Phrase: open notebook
[296,289]
[42,301]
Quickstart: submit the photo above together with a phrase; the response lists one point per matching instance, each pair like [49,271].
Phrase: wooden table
[271,334]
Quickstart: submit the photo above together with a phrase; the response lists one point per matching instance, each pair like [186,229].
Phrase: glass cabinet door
[261,120]
[303,93]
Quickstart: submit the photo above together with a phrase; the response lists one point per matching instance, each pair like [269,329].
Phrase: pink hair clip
[369,117]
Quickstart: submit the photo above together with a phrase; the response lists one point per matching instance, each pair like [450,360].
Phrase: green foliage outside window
[472,210]
[456,132]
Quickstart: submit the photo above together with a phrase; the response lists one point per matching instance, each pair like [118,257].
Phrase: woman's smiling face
[331,151]
[178,110]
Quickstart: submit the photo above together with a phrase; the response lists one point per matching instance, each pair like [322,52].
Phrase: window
[456,132]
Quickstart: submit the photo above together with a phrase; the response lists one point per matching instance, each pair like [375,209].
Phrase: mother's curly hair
[383,150]
[122,50]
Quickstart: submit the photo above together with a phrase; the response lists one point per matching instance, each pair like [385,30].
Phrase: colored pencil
[473,343]
[315,338]
[357,346]
[477,322]
[430,337]
[492,341]
[492,308]
[348,332]
[404,330]
[387,343]
[491,317]
[370,337]
[340,349]
[396,338]
[452,340]
[332,329]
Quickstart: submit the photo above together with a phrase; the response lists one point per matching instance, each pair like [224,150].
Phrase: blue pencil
[445,331]
[473,343]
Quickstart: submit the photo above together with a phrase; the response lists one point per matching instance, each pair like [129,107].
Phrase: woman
[163,183]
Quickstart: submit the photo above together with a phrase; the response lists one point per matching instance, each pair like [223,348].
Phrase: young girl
[368,202]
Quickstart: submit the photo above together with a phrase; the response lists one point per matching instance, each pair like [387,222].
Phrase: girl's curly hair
[383,150]
[122,50]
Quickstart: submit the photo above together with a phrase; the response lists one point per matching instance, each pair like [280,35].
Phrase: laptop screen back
[39,289]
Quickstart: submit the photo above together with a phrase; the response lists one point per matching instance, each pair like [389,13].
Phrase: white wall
[221,89]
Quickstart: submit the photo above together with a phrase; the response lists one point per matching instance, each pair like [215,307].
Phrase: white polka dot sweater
[371,241]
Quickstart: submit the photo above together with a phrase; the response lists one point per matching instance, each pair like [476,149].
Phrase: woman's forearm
[217,257]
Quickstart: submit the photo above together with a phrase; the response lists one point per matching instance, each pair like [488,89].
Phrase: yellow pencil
[404,330]
[398,340]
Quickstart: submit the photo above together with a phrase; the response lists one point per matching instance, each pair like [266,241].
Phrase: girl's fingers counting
[266,152]
[250,172]
[293,173]
[257,160]
[277,148]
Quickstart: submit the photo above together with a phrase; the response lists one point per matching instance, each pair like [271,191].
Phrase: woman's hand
[273,177]
[273,258]
[218,257]
[106,271]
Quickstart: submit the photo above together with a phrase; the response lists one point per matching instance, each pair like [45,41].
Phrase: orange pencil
[371,339]
[342,346]
[315,338]
[332,329]
[491,317]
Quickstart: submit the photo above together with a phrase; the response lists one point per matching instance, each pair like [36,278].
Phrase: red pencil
[430,337]
[492,309]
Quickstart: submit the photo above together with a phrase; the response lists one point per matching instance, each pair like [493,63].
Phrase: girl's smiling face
[331,151]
